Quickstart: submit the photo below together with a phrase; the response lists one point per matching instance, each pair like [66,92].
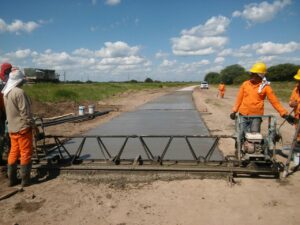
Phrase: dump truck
[35,75]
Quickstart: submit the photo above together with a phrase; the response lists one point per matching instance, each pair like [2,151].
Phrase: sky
[167,40]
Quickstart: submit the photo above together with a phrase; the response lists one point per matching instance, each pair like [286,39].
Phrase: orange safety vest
[295,97]
[250,102]
[222,87]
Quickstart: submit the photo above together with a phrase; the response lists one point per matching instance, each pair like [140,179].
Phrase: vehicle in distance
[204,85]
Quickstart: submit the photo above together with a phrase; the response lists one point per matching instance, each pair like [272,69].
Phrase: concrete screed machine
[255,153]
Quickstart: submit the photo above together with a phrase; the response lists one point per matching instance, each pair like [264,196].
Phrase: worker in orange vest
[295,98]
[221,89]
[250,100]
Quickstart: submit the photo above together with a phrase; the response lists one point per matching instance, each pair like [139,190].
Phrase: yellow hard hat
[259,68]
[297,76]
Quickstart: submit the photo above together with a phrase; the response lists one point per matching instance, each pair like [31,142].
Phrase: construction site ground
[90,199]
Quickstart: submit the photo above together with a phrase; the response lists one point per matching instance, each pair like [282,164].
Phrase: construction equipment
[253,147]
[255,153]
[293,154]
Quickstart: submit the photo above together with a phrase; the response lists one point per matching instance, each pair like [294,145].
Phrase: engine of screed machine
[253,143]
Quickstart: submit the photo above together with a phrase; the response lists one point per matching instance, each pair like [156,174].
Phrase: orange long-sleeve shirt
[295,97]
[222,87]
[250,102]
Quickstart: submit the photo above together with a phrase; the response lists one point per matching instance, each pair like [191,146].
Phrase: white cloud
[244,51]
[94,2]
[113,2]
[18,26]
[19,54]
[214,26]
[117,49]
[270,48]
[83,52]
[219,60]
[130,60]
[192,45]
[262,12]
[261,49]
[116,59]
[161,55]
[202,39]
[168,63]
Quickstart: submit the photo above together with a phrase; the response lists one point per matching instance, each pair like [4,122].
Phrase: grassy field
[283,90]
[48,92]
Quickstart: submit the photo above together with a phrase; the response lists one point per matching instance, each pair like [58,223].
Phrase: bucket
[296,158]
[91,109]
[81,110]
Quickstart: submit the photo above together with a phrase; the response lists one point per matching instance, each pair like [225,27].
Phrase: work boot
[12,175]
[25,174]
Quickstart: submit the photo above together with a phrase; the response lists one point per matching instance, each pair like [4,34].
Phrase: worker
[295,99]
[250,100]
[5,70]
[20,124]
[221,89]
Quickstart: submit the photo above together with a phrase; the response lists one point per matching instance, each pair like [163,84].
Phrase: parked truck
[35,75]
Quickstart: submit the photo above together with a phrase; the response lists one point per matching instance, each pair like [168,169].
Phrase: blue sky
[169,40]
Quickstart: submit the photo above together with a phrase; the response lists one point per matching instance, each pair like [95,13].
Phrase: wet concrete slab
[172,114]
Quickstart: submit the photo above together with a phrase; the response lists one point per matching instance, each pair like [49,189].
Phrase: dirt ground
[85,199]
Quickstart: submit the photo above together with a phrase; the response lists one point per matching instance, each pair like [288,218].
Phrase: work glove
[290,119]
[232,116]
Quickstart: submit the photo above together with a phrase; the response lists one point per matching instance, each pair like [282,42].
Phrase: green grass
[283,90]
[48,92]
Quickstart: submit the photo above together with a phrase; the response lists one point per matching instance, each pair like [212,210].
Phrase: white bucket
[81,110]
[296,158]
[91,109]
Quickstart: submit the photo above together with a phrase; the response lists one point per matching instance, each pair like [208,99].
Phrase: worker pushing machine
[250,100]
[221,90]
[20,124]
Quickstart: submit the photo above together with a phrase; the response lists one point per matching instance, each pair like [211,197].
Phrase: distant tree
[212,77]
[282,72]
[133,81]
[232,72]
[89,82]
[148,80]
[157,81]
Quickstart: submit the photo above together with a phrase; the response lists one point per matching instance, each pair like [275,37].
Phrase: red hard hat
[4,67]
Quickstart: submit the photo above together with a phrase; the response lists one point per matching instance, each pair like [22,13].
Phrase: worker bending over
[250,100]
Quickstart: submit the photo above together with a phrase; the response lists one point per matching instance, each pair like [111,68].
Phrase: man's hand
[294,104]
[232,116]
[290,119]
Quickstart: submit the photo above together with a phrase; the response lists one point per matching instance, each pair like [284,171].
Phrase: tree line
[236,74]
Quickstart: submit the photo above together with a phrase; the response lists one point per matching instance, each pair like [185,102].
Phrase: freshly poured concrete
[173,114]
